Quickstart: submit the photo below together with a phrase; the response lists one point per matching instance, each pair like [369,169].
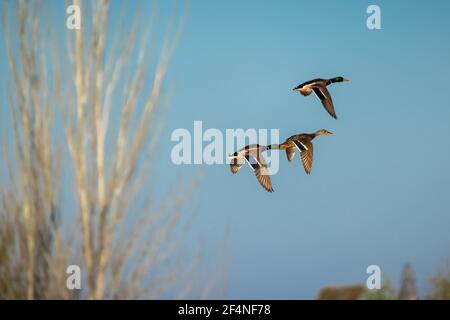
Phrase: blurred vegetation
[408,290]
[63,135]
[388,290]
[440,284]
[349,292]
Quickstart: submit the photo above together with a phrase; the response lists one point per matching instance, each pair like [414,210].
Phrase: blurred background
[86,175]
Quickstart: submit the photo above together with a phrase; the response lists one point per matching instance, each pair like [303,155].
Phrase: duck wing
[310,83]
[306,153]
[241,156]
[290,153]
[289,147]
[262,174]
[259,167]
[325,97]
[236,164]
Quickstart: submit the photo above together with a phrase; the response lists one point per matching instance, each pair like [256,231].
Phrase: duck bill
[345,80]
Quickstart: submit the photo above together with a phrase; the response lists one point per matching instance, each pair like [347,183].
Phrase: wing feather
[325,97]
[262,174]
[290,153]
[306,154]
[260,170]
[236,165]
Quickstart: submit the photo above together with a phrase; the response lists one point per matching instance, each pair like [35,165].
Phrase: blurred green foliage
[440,284]
[388,290]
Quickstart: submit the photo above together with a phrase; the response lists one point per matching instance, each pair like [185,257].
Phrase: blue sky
[378,193]
[379,189]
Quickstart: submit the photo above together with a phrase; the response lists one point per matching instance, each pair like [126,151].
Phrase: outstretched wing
[306,154]
[259,166]
[236,164]
[290,153]
[325,97]
[263,177]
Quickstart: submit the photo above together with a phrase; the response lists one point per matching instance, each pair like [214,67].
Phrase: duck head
[323,132]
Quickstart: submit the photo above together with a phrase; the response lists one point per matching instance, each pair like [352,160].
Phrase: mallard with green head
[303,143]
[252,155]
[319,87]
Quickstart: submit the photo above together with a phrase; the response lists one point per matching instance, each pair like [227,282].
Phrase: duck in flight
[303,143]
[319,86]
[252,155]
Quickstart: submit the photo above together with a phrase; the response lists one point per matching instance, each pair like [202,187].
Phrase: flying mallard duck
[252,155]
[303,143]
[319,86]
